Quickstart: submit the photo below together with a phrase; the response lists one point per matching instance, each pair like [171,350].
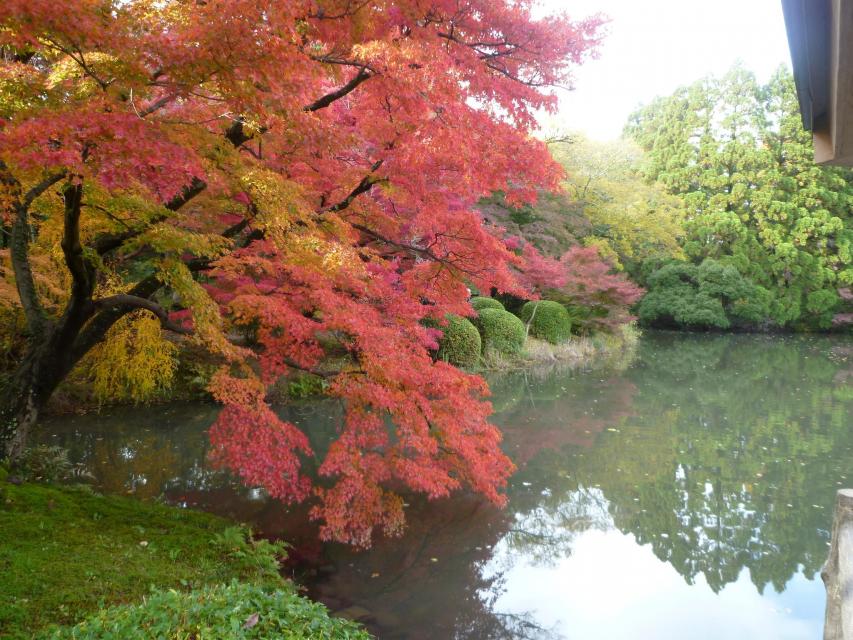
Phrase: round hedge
[551,321]
[460,345]
[500,331]
[479,303]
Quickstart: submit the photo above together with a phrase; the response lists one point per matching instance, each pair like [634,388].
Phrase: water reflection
[691,491]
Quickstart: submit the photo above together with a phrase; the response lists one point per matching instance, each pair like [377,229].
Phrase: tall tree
[303,170]
[735,150]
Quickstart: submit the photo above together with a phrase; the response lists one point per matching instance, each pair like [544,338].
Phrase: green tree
[736,152]
[711,295]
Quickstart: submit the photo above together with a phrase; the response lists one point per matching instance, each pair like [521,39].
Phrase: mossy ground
[65,552]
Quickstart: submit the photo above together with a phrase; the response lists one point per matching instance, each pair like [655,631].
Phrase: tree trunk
[22,399]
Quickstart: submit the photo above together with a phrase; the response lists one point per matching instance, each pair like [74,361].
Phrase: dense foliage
[736,152]
[277,172]
[225,612]
[547,320]
[711,295]
[501,331]
[460,343]
[630,219]
[598,297]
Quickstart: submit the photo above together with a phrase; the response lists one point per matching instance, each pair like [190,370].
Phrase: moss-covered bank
[66,552]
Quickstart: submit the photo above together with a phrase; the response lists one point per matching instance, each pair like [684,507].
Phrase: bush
[500,331]
[222,612]
[709,295]
[479,303]
[548,320]
[460,345]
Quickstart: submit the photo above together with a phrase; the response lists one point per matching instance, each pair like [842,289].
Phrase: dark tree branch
[97,327]
[236,133]
[129,302]
[155,106]
[19,249]
[363,186]
[81,273]
[321,103]
[41,187]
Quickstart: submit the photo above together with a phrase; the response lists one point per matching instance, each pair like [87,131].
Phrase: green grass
[66,552]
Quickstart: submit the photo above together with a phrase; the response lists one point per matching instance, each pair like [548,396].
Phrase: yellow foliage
[638,219]
[171,240]
[605,250]
[134,362]
[52,281]
[279,201]
[207,321]
[19,88]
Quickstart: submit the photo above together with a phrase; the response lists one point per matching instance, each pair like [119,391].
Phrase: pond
[688,494]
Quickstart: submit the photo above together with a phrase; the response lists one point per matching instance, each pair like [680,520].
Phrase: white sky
[655,46]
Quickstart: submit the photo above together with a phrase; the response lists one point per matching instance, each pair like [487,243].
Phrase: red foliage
[590,282]
[365,132]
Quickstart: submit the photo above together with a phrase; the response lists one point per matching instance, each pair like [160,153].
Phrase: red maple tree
[305,168]
[592,284]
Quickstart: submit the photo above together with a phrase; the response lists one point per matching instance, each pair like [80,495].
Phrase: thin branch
[412,248]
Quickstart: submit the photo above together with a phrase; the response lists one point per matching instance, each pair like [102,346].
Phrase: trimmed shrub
[548,320]
[479,303]
[500,331]
[460,345]
[223,612]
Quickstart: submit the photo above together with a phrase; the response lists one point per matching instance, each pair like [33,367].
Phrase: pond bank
[580,352]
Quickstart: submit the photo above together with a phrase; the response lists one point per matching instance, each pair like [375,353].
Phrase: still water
[687,494]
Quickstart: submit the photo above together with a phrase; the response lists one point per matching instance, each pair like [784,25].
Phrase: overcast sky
[655,46]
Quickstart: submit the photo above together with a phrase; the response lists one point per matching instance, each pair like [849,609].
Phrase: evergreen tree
[737,153]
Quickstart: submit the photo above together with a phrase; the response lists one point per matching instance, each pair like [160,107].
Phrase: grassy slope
[65,552]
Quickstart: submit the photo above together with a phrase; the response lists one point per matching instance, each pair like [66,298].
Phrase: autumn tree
[736,152]
[300,171]
[599,298]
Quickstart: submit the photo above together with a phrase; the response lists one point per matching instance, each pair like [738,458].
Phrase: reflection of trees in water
[547,532]
[712,449]
[733,459]
[144,452]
